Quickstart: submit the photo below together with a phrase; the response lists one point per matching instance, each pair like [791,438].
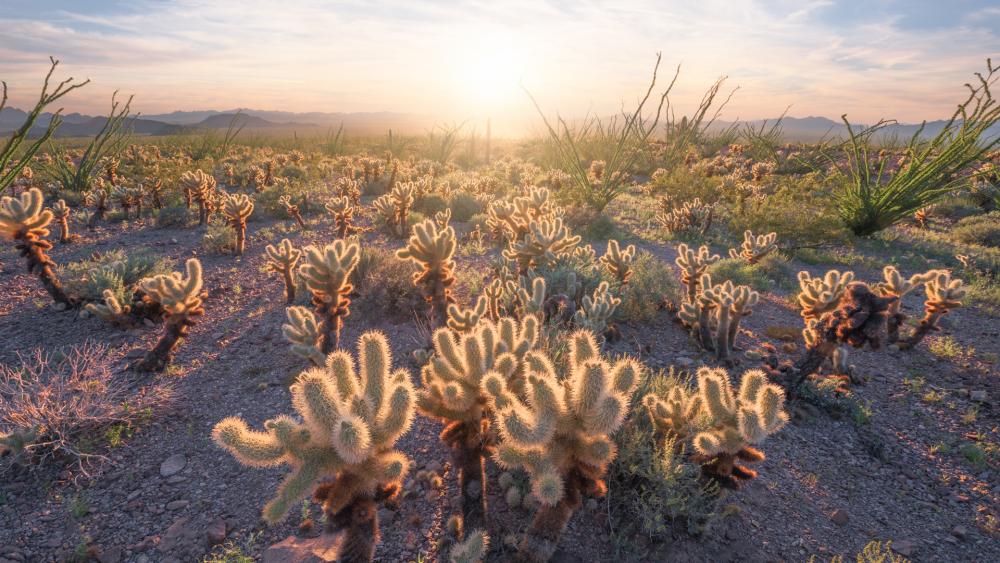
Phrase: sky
[900,59]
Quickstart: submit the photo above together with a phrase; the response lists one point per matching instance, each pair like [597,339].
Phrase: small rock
[683,362]
[177,504]
[216,532]
[176,480]
[840,517]
[303,550]
[960,532]
[173,465]
[113,555]
[903,547]
[979,395]
[173,241]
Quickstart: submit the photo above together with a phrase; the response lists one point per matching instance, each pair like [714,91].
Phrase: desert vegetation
[630,340]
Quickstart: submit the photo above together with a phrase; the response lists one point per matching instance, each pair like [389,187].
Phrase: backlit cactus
[559,431]
[111,310]
[452,392]
[282,260]
[326,272]
[735,422]
[432,250]
[394,207]
[472,550]
[97,197]
[25,221]
[619,262]
[942,295]
[595,311]
[181,299]
[343,216]
[754,248]
[690,216]
[293,211]
[693,264]
[676,413]
[464,320]
[714,319]
[198,187]
[547,240]
[352,413]
[60,212]
[237,209]
[303,332]
[818,297]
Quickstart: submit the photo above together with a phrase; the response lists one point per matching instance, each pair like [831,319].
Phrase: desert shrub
[653,283]
[652,490]
[267,202]
[956,208]
[293,172]
[431,204]
[86,280]
[765,275]
[682,184]
[798,210]
[384,282]
[174,216]
[464,206]
[479,220]
[219,238]
[62,407]
[983,230]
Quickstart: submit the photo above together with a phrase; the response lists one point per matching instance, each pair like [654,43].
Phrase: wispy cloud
[889,58]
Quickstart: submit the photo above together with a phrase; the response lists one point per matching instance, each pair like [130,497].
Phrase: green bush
[798,209]
[384,282]
[219,238]
[771,271]
[431,204]
[464,206]
[653,282]
[983,230]
[86,280]
[174,216]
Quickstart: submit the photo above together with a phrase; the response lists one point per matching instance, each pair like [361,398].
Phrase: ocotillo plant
[352,415]
[943,295]
[754,248]
[181,299]
[293,211]
[24,221]
[283,260]
[559,431]
[343,216]
[60,211]
[237,209]
[735,422]
[452,392]
[326,273]
[619,262]
[432,250]
[693,265]
[303,332]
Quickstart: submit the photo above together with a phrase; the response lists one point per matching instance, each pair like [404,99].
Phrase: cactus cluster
[754,248]
[676,414]
[693,265]
[463,320]
[237,209]
[432,249]
[200,188]
[819,296]
[342,210]
[283,260]
[546,241]
[25,221]
[181,299]
[511,220]
[353,413]
[594,313]
[942,295]
[326,272]
[394,207]
[714,317]
[559,431]
[111,310]
[97,197]
[691,216]
[60,212]
[618,262]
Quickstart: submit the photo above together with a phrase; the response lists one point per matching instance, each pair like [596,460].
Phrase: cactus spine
[198,186]
[715,318]
[326,273]
[303,332]
[432,250]
[237,209]
[675,414]
[181,299]
[23,220]
[818,297]
[595,312]
[352,416]
[735,422]
[547,240]
[283,260]
[560,432]
[60,211]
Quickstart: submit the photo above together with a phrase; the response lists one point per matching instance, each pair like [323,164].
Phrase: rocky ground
[919,467]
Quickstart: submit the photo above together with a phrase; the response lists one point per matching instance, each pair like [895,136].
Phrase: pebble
[960,532]
[173,465]
[177,504]
[979,395]
[840,517]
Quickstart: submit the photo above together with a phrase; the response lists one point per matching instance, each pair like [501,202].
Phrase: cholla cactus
[754,248]
[293,211]
[198,186]
[25,221]
[560,432]
[472,550]
[547,240]
[155,188]
[343,216]
[394,207]
[693,265]
[511,220]
[283,260]
[60,211]
[97,197]
[714,319]
[818,297]
[676,414]
[735,422]
[943,295]
[237,209]
[595,312]
[432,249]
[690,216]
[464,320]
[326,273]
[303,332]
[111,311]
[531,302]
[181,299]
[618,262]
[352,417]
[452,392]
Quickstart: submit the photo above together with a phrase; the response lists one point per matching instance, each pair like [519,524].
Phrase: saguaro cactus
[326,273]
[24,221]
[181,299]
[561,433]
[619,262]
[352,416]
[432,250]
[283,260]
[693,264]
[755,248]
[237,209]
[60,211]
[452,392]
[736,422]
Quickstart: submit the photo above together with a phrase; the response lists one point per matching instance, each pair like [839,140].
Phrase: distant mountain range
[805,129]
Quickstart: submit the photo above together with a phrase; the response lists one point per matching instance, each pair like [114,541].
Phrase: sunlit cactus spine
[432,249]
[60,211]
[942,295]
[343,216]
[303,332]
[97,197]
[618,262]
[326,272]
[754,248]
[197,186]
[25,221]
[293,211]
[353,413]
[472,550]
[559,431]
[735,422]
[463,320]
[282,260]
[452,392]
[676,414]
[181,299]
[111,310]
[237,209]
[819,296]
[693,264]
[714,319]
[546,241]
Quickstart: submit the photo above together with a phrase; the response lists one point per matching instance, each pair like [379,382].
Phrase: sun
[489,73]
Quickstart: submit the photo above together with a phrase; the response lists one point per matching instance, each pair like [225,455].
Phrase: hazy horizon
[886,59]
